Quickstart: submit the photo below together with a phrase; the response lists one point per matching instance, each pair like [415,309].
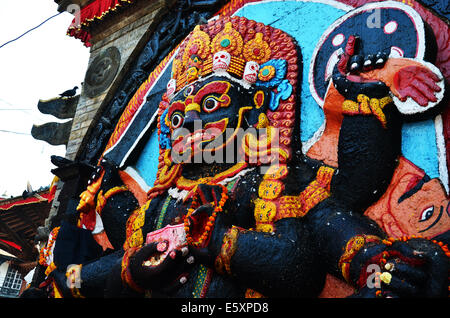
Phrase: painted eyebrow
[178,105]
[415,189]
[219,87]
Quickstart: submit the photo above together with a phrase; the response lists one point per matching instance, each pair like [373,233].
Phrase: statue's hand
[412,268]
[426,269]
[87,197]
[162,275]
[206,252]
[348,72]
[417,82]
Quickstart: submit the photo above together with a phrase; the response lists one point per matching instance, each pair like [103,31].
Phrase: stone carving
[102,72]
[54,133]
[62,108]
[249,213]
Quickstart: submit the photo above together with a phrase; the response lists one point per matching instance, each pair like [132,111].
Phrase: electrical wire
[14,132]
[19,109]
[13,40]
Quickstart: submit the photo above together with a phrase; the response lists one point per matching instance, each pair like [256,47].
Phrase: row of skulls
[221,62]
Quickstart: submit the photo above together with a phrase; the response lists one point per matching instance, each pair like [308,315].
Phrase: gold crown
[196,58]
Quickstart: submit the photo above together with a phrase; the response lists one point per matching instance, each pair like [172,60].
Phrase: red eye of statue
[210,104]
[177,120]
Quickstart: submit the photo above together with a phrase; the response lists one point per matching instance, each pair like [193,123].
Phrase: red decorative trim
[12,244]
[42,197]
[93,12]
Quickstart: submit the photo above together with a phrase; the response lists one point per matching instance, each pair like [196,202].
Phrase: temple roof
[20,218]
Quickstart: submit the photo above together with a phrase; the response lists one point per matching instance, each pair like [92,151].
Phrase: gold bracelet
[352,247]
[223,260]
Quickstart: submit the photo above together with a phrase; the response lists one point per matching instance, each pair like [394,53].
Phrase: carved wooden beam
[27,219]
[26,247]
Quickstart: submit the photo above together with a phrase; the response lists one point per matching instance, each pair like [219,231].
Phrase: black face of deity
[208,116]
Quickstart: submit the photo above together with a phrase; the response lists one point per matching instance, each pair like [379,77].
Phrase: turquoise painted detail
[284,91]
[225,43]
[147,163]
[280,67]
[419,146]
[164,141]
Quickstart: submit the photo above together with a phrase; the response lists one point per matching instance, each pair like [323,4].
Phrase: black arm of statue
[369,142]
[91,281]
[279,264]
[334,226]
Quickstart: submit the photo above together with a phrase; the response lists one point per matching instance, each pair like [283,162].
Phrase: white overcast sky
[40,65]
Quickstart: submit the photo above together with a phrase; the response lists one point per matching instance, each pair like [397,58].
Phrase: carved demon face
[209,115]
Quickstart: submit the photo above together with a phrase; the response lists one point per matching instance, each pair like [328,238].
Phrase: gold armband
[222,263]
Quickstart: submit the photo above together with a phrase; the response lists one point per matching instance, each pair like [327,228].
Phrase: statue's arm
[278,264]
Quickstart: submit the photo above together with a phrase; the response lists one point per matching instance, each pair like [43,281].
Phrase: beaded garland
[211,220]
[45,254]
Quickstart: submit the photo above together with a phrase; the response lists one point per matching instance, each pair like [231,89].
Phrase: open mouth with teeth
[196,139]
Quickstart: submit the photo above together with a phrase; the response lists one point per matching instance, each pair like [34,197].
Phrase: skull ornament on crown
[221,61]
[251,72]
[171,87]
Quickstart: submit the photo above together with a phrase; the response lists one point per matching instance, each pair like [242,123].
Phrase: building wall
[8,292]
[123,32]
[3,269]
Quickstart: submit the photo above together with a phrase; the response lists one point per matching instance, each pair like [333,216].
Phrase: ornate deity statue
[237,209]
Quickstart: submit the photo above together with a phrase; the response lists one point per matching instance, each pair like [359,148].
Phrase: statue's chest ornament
[271,206]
